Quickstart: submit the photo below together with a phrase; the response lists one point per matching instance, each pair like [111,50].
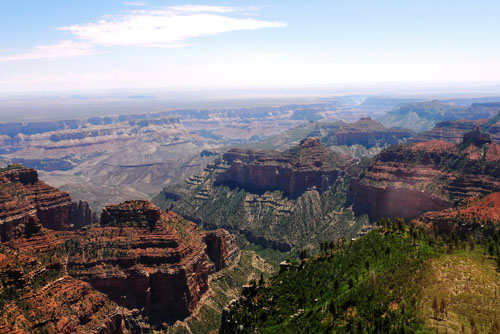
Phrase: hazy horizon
[55,46]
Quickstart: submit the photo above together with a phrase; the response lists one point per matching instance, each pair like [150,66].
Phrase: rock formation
[278,200]
[147,259]
[221,247]
[475,215]
[366,132]
[453,131]
[37,297]
[310,165]
[141,265]
[406,181]
[81,215]
[26,202]
[476,137]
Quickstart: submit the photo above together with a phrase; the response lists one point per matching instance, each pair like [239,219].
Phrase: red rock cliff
[139,258]
[37,298]
[475,215]
[26,202]
[221,247]
[151,260]
[293,172]
[406,181]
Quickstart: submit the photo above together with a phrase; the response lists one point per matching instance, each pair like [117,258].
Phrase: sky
[55,45]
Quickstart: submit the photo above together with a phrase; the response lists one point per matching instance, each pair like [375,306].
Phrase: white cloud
[202,8]
[134,3]
[168,27]
[60,50]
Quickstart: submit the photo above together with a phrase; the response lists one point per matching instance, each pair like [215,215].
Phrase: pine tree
[435,307]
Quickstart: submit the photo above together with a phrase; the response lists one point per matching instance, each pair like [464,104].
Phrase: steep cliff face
[406,181]
[81,215]
[31,199]
[231,194]
[17,219]
[147,259]
[26,201]
[221,247]
[309,165]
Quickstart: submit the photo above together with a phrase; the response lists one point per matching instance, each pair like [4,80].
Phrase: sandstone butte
[408,180]
[140,268]
[293,172]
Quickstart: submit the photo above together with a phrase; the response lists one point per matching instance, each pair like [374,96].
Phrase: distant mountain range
[422,116]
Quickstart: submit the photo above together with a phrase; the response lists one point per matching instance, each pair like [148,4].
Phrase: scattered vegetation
[11,167]
[385,282]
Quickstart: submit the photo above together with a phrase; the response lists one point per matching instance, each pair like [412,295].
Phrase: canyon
[280,200]
[103,159]
[142,267]
[138,269]
[270,197]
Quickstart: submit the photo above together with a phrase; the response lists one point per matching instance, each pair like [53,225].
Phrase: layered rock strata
[36,298]
[141,265]
[310,165]
[453,131]
[26,203]
[366,132]
[406,181]
[476,215]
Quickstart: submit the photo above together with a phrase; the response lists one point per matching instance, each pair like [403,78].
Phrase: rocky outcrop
[270,219]
[406,181]
[366,132]
[310,165]
[26,202]
[131,212]
[221,248]
[453,131]
[478,216]
[81,215]
[27,199]
[40,299]
[477,137]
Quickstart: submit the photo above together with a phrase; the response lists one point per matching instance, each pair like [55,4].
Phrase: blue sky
[57,45]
